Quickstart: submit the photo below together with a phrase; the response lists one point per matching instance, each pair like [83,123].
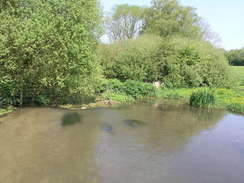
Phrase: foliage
[185,62]
[138,89]
[174,93]
[236,107]
[236,57]
[164,18]
[169,18]
[47,50]
[177,62]
[202,98]
[118,97]
[230,99]
[125,23]
[238,74]
[130,59]
[129,88]
[110,85]
[6,110]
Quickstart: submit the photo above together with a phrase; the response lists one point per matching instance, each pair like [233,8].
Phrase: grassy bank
[114,92]
[128,92]
[238,74]
[230,99]
[6,111]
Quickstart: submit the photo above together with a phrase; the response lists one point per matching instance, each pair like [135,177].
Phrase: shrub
[138,89]
[235,57]
[130,88]
[202,98]
[192,63]
[130,59]
[113,85]
[47,50]
[176,62]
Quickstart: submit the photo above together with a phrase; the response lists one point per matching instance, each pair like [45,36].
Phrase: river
[149,142]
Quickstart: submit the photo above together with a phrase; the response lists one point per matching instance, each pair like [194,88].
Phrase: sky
[225,17]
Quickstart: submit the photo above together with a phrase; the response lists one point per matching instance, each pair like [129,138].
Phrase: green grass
[175,93]
[230,99]
[237,108]
[238,74]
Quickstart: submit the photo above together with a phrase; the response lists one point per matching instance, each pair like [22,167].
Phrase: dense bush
[47,50]
[130,59]
[236,57]
[110,85]
[177,62]
[138,89]
[202,98]
[192,63]
[131,88]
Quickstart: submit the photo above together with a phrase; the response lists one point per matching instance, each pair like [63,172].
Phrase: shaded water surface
[144,143]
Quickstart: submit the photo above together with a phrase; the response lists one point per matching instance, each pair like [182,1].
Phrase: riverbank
[6,111]
[229,99]
[98,103]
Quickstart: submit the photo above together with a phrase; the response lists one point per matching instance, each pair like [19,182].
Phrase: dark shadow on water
[71,118]
[168,126]
[107,128]
[134,123]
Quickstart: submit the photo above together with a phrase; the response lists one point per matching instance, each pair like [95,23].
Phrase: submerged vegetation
[50,54]
[71,118]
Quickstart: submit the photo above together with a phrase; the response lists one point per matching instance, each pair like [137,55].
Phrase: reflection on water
[133,123]
[71,118]
[154,142]
[107,127]
[36,148]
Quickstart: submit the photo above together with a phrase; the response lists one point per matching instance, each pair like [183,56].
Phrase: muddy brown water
[166,143]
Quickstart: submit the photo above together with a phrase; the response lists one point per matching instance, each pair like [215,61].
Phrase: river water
[152,142]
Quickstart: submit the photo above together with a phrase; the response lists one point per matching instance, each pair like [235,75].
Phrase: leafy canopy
[168,18]
[126,22]
[47,50]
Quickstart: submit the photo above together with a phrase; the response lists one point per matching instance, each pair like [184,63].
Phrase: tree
[47,50]
[209,35]
[125,23]
[236,57]
[131,59]
[168,18]
[176,62]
